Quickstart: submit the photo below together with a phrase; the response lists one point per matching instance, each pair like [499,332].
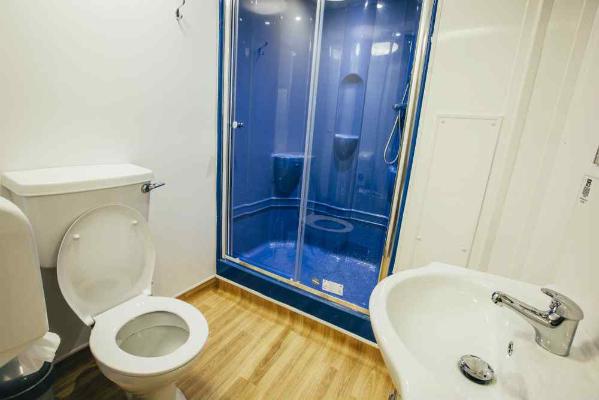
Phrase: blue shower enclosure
[318,92]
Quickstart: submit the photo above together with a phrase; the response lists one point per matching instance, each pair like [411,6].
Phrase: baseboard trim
[201,285]
[73,351]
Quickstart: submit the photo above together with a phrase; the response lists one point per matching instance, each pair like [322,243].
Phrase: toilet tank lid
[60,180]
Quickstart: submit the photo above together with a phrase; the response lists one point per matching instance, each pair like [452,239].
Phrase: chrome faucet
[555,328]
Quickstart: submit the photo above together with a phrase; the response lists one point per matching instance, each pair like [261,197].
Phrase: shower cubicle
[317,98]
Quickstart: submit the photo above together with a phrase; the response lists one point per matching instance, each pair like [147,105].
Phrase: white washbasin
[425,319]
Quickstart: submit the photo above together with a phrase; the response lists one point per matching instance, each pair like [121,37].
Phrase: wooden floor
[255,350]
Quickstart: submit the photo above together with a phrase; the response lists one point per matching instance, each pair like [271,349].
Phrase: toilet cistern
[90,223]
[555,328]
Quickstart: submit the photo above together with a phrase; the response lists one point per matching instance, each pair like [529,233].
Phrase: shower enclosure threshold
[320,268]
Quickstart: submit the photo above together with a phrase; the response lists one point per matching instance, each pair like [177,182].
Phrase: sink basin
[425,319]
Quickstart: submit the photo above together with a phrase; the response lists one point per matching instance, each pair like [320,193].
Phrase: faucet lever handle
[563,306]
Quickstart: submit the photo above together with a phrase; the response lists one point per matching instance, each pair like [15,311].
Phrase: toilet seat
[107,351]
[105,267]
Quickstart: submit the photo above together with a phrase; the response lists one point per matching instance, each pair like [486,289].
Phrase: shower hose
[388,144]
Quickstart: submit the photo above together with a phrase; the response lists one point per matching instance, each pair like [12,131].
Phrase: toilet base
[179,395]
[170,392]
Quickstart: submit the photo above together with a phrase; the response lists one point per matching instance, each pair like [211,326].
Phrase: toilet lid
[105,258]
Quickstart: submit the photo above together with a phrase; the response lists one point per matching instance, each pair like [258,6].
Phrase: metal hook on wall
[178,13]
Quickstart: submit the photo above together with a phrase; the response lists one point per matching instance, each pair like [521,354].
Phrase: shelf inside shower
[358,277]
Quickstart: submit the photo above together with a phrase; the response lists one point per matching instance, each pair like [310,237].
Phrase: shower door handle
[237,125]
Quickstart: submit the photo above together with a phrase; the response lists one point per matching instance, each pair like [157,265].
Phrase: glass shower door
[271,61]
[366,55]
[318,95]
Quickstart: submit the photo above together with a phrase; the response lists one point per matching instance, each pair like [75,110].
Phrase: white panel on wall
[461,162]
[475,49]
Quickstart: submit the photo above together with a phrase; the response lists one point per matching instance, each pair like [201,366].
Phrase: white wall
[546,235]
[475,48]
[544,87]
[107,81]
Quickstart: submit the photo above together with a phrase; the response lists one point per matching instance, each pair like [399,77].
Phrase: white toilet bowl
[140,342]
[145,344]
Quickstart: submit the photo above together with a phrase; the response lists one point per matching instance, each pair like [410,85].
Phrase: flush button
[76,236]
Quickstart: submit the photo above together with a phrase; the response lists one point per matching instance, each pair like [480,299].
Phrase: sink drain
[476,369]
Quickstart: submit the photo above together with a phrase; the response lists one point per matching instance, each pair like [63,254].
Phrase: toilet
[105,263]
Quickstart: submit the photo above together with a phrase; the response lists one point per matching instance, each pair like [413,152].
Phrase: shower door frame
[228,70]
